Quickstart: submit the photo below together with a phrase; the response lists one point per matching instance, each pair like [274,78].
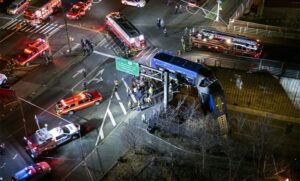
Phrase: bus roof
[183,63]
[128,27]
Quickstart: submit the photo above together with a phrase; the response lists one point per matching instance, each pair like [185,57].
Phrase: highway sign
[127,66]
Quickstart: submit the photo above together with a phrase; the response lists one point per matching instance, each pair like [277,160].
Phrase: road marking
[102,42]
[127,87]
[96,78]
[117,96]
[80,71]
[151,53]
[3,165]
[7,36]
[123,108]
[40,28]
[49,28]
[8,23]
[15,156]
[105,54]
[111,117]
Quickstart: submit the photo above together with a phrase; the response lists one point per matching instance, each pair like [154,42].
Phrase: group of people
[143,91]
[161,25]
[87,46]
[178,9]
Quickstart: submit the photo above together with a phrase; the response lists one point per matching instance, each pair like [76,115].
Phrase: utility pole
[218,10]
[166,89]
[67,31]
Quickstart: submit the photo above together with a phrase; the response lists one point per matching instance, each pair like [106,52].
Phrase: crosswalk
[142,57]
[44,28]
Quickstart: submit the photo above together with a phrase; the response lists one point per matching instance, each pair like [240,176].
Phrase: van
[17,6]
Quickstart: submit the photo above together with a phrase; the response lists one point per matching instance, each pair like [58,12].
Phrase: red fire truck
[226,43]
[125,31]
[40,10]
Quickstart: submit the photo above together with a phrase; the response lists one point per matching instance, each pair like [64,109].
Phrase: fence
[274,67]
[261,30]
[245,5]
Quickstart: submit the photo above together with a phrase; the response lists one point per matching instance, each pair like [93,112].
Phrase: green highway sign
[127,66]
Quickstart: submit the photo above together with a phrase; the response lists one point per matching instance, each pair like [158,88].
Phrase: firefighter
[116,82]
[165,32]
[2,148]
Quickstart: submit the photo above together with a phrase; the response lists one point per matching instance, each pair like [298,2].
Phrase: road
[61,78]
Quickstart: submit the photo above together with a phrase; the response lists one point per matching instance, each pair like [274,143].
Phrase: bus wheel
[71,112]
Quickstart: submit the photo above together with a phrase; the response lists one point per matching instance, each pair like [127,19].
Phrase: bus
[226,43]
[210,91]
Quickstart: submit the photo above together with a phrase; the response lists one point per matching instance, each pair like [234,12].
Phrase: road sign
[127,66]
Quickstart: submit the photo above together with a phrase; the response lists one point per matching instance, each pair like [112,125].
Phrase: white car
[3,79]
[137,3]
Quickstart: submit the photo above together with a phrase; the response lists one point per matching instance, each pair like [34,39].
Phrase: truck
[44,140]
[40,10]
[126,32]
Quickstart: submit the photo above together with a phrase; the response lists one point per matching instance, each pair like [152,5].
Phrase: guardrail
[262,30]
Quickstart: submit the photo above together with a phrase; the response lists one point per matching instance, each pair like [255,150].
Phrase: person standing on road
[162,23]
[90,46]
[176,9]
[158,23]
[165,32]
[179,8]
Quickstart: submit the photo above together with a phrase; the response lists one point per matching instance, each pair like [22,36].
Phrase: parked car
[78,10]
[137,3]
[17,6]
[32,171]
[3,79]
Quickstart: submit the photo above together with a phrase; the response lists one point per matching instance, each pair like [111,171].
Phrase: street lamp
[66,26]
[218,10]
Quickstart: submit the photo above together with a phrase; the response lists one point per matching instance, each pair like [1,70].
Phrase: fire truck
[40,10]
[42,141]
[126,32]
[80,101]
[226,43]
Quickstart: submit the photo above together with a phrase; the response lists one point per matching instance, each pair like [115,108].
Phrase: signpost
[127,66]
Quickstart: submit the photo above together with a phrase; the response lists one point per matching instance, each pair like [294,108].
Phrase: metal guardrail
[274,67]
[262,30]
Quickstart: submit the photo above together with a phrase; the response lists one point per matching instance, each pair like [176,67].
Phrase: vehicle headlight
[141,37]
[131,40]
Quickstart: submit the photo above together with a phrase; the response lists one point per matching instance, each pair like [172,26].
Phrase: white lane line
[15,156]
[3,165]
[127,87]
[12,26]
[27,28]
[111,118]
[117,96]
[102,42]
[123,108]
[8,24]
[151,53]
[51,28]
[108,43]
[42,28]
[7,36]
[105,54]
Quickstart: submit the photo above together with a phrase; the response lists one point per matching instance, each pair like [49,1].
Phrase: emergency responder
[116,82]
[165,32]
[2,148]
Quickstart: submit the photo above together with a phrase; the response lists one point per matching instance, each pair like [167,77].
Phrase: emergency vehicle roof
[126,25]
[186,64]
[40,136]
[236,38]
[39,3]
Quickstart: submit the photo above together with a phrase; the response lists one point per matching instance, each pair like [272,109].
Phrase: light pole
[66,26]
[218,10]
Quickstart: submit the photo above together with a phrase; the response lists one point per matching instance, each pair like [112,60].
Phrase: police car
[43,140]
[32,171]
